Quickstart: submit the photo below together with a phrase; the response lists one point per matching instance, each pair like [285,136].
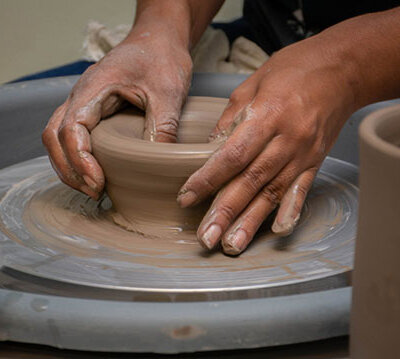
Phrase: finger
[74,136]
[246,142]
[292,203]
[233,113]
[239,235]
[162,119]
[163,112]
[241,190]
[74,133]
[57,157]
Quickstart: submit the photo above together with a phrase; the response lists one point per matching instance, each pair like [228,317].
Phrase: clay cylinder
[375,322]
[143,178]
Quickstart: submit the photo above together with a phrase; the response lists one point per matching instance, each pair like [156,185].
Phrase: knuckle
[312,129]
[169,122]
[50,131]
[254,176]
[66,131]
[235,96]
[227,212]
[301,135]
[62,132]
[273,193]
[47,136]
[208,185]
[236,154]
[306,131]
[298,101]
[301,190]
[168,127]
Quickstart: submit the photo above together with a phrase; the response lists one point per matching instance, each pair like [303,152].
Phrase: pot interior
[197,121]
[388,128]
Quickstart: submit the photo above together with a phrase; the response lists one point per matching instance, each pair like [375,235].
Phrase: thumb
[162,120]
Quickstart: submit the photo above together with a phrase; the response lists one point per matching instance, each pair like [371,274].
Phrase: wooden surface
[333,348]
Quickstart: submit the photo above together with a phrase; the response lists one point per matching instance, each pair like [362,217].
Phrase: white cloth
[211,54]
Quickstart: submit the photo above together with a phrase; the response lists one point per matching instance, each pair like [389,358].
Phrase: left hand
[286,117]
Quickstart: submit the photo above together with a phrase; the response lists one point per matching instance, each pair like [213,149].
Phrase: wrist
[367,47]
[169,20]
[342,53]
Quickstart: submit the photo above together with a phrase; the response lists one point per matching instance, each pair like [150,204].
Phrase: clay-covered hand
[148,70]
[282,122]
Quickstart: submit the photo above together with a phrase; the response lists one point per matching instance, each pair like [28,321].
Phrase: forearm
[368,47]
[182,20]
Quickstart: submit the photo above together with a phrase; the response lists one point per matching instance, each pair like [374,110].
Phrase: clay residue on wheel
[56,232]
[66,220]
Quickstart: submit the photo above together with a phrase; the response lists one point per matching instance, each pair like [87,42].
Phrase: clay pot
[143,178]
[375,331]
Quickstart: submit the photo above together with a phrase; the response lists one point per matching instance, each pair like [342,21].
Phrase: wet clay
[143,178]
[375,324]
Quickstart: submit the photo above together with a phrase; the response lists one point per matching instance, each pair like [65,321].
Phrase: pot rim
[369,127]
[138,148]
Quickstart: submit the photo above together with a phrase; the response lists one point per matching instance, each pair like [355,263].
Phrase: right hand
[149,71]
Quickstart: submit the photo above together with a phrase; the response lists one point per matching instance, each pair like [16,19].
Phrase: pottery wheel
[65,289]
[51,231]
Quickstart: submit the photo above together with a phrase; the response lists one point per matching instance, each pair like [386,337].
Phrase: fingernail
[236,242]
[87,190]
[282,229]
[211,236]
[186,199]
[285,228]
[94,194]
[90,182]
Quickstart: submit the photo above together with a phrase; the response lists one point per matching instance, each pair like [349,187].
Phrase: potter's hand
[289,113]
[149,71]
[284,119]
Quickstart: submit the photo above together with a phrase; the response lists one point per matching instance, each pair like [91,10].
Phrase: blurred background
[39,34]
